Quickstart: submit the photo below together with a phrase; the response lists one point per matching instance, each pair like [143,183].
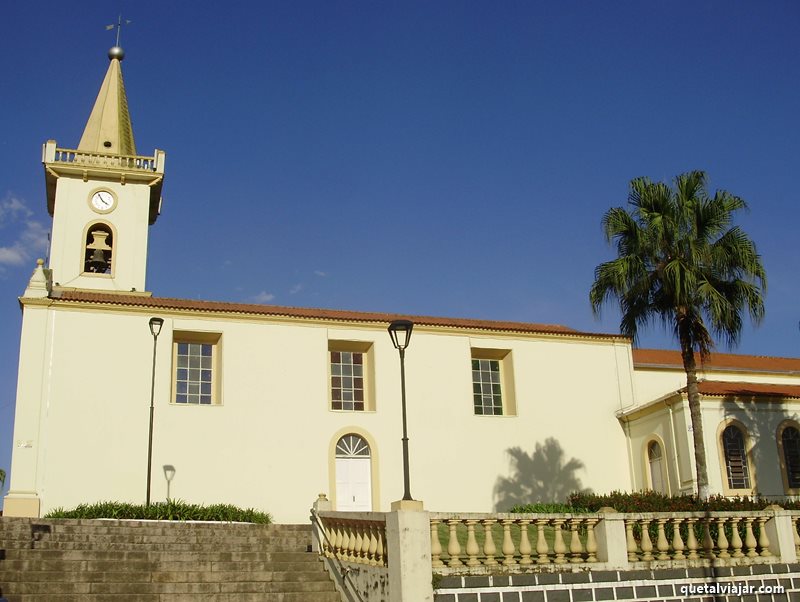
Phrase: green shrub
[650,501]
[540,508]
[169,510]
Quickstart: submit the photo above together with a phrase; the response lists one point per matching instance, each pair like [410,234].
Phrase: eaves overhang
[356,318]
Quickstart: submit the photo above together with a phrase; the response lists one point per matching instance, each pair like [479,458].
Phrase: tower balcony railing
[78,158]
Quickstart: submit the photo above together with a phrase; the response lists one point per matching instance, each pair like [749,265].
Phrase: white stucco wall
[653,383]
[129,221]
[269,443]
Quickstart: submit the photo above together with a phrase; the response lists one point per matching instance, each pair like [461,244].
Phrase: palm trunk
[687,353]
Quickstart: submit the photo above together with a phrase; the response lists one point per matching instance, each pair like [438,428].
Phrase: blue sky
[443,158]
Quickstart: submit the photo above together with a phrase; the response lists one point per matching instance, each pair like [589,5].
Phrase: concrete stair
[148,561]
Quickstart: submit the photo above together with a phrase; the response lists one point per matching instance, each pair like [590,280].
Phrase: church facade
[265,406]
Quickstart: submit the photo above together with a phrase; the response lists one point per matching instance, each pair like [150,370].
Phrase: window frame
[664,469]
[747,445]
[203,338]
[366,349]
[782,427]
[507,392]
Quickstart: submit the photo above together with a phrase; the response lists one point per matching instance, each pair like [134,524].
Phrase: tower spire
[109,128]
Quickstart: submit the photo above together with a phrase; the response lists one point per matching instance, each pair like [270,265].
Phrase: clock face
[103,201]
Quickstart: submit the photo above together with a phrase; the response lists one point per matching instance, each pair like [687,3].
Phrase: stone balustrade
[474,540]
[355,537]
[54,156]
[480,543]
[691,536]
[76,157]
[358,546]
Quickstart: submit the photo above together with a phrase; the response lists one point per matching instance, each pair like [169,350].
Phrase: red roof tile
[314,313]
[717,388]
[718,361]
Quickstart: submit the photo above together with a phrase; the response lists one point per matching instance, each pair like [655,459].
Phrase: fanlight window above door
[352,446]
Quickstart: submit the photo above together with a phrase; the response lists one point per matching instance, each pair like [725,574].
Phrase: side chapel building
[266,406]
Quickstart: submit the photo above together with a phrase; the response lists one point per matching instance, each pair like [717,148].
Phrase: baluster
[722,539]
[662,545]
[677,541]
[436,545]
[508,543]
[763,540]
[542,547]
[524,543]
[736,540]
[647,544]
[749,539]
[591,540]
[339,541]
[575,546]
[558,544]
[365,543]
[691,539]
[373,545]
[489,549]
[351,541]
[357,544]
[453,547]
[631,541]
[381,552]
[472,544]
[708,543]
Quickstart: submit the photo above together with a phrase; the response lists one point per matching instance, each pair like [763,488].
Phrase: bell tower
[103,197]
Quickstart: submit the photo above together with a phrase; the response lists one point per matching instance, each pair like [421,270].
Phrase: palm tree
[681,263]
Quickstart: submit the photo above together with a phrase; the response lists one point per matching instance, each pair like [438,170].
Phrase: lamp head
[400,331]
[155,326]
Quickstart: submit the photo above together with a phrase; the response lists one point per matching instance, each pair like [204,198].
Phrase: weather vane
[118,26]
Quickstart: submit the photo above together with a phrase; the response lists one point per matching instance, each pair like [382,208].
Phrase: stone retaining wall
[651,585]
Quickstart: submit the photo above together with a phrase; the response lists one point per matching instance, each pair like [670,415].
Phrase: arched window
[99,249]
[737,469]
[352,446]
[790,442]
[655,461]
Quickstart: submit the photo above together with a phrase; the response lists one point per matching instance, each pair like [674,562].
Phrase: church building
[266,407]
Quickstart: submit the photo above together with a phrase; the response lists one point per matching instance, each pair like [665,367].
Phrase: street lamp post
[400,331]
[155,330]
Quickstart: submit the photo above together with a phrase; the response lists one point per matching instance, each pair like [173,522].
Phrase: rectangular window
[347,380]
[492,382]
[196,372]
[350,376]
[487,393]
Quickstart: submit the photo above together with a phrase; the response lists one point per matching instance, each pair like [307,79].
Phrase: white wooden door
[353,485]
[353,475]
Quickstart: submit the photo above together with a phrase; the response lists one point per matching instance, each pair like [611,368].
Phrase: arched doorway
[353,474]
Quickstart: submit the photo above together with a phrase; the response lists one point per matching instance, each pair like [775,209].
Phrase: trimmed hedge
[177,510]
[650,501]
[546,509]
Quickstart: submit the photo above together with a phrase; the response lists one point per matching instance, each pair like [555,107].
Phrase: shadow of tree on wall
[761,415]
[543,476]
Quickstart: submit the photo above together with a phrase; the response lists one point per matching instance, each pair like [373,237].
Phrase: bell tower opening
[99,249]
